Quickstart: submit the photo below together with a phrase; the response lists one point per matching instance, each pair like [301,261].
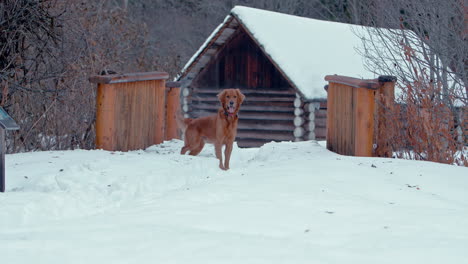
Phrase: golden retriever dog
[219,129]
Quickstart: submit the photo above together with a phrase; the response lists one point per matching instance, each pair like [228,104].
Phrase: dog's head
[231,99]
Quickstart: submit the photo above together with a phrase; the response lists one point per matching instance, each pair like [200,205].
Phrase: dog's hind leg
[184,150]
[198,149]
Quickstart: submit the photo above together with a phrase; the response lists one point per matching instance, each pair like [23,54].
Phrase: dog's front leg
[227,155]
[219,155]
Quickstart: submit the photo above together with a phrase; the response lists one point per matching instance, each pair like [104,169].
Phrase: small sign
[6,122]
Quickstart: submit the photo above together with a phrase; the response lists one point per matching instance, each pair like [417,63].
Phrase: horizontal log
[265,127]
[311,136]
[262,124]
[320,133]
[309,126]
[298,121]
[245,103]
[311,107]
[320,122]
[267,122]
[321,114]
[284,109]
[266,116]
[243,115]
[197,97]
[298,112]
[314,119]
[251,143]
[248,134]
[299,132]
[323,105]
[298,102]
[247,91]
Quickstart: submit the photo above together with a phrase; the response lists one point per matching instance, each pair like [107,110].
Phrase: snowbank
[281,203]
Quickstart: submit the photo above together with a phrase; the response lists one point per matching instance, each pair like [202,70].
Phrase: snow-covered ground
[282,203]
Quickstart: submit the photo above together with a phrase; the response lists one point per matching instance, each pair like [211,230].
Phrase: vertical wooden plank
[144,122]
[148,112]
[339,118]
[347,118]
[172,107]
[123,106]
[344,119]
[340,129]
[330,116]
[336,120]
[139,92]
[350,118]
[348,121]
[364,114]
[127,120]
[105,117]
[159,87]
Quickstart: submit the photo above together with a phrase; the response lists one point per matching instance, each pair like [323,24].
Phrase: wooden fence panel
[131,110]
[351,111]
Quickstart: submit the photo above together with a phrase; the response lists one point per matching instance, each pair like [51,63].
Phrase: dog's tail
[182,122]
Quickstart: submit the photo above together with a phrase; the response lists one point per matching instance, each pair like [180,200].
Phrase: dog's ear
[221,96]
[240,96]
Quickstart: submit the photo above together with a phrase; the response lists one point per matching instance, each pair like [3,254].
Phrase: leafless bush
[425,47]
[421,128]
[49,93]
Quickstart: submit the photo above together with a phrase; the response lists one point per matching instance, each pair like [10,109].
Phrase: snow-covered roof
[304,49]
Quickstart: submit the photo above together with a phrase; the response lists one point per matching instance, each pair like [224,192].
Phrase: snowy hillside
[282,203]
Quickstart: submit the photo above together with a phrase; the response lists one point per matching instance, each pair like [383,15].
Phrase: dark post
[2,161]
[6,122]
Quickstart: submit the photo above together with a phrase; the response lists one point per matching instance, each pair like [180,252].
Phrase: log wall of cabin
[267,114]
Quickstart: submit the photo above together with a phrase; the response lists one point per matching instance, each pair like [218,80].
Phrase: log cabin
[279,62]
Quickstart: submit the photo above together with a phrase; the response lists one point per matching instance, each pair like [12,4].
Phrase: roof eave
[204,48]
[242,24]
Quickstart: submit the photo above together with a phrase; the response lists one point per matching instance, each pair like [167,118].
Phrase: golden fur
[219,129]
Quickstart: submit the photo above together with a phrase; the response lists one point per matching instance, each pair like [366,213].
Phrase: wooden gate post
[351,114]
[385,100]
[172,109]
[130,111]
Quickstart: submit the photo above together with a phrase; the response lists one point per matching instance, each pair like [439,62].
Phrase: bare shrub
[425,47]
[421,126]
[49,93]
